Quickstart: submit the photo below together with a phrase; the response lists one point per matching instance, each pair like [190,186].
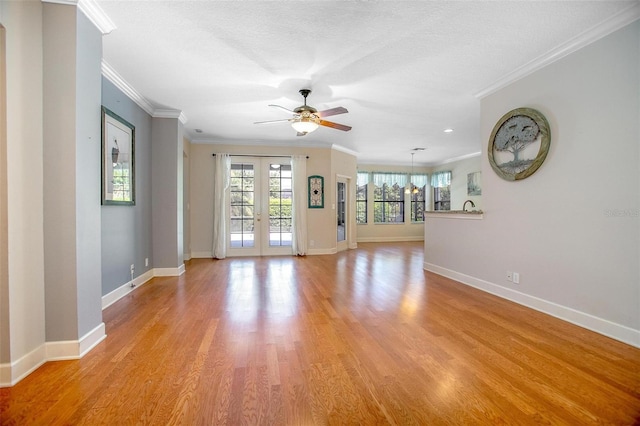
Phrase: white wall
[5,343]
[54,312]
[571,229]
[26,331]
[321,222]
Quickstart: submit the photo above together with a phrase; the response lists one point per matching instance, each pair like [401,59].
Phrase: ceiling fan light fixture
[304,125]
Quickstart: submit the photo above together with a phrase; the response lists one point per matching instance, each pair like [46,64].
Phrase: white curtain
[380,178]
[441,179]
[419,180]
[220,185]
[299,205]
[363,178]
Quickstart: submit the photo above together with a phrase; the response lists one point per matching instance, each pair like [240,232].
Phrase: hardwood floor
[363,337]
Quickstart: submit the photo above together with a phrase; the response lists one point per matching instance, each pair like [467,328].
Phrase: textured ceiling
[405,70]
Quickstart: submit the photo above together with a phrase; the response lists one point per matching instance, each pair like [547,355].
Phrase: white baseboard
[390,239]
[169,272]
[91,339]
[201,255]
[315,252]
[610,329]
[75,349]
[126,288]
[12,373]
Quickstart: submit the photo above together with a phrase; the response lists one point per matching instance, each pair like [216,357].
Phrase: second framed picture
[316,192]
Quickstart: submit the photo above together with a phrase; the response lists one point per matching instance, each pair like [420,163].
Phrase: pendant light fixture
[410,188]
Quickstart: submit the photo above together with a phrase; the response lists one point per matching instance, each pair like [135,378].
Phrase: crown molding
[170,113]
[110,74]
[343,149]
[92,10]
[259,143]
[97,16]
[460,158]
[615,22]
[64,2]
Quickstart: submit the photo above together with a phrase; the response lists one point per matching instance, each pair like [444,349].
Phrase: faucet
[464,206]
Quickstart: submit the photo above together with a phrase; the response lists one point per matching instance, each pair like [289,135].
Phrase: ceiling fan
[306,119]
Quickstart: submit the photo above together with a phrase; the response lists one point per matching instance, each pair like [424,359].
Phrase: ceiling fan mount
[301,109]
[306,118]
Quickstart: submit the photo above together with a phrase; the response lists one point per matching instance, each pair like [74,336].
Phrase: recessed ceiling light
[448,130]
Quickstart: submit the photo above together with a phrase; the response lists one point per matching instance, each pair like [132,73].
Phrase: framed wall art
[316,192]
[118,160]
[519,143]
[474,186]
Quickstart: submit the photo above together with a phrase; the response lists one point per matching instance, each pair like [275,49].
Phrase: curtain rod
[259,156]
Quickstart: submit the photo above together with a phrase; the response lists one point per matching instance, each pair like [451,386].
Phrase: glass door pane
[280,209]
[242,205]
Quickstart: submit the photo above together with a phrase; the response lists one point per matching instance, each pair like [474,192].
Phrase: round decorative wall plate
[519,143]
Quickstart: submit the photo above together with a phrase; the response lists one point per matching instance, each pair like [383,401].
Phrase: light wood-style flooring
[364,337]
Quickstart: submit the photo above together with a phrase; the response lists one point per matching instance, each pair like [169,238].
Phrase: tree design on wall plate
[519,143]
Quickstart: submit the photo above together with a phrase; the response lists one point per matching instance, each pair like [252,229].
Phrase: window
[418,192]
[280,212]
[361,197]
[441,183]
[242,205]
[388,198]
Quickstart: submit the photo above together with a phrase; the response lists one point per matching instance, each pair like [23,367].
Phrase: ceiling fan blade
[274,121]
[335,125]
[283,108]
[332,111]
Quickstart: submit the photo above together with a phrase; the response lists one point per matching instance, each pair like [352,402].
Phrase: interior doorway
[342,205]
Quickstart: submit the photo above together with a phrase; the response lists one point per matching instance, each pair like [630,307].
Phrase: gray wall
[88,149]
[167,190]
[126,230]
[571,229]
[72,56]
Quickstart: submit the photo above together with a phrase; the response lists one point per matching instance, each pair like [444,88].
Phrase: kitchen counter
[454,214]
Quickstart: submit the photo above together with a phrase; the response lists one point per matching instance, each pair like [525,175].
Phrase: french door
[260,210]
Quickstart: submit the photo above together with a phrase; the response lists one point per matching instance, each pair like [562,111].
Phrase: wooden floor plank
[361,337]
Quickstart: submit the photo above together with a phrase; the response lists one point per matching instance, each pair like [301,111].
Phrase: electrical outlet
[516,278]
[132,267]
[146,261]
[509,276]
